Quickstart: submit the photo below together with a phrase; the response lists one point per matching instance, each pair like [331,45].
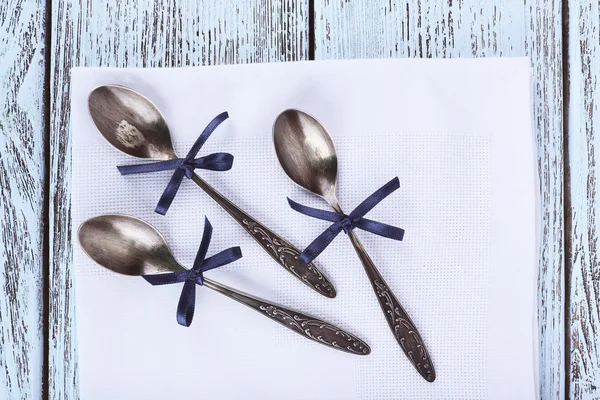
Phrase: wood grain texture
[583,220]
[142,33]
[480,28]
[22,129]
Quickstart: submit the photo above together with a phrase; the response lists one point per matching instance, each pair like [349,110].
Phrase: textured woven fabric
[442,272]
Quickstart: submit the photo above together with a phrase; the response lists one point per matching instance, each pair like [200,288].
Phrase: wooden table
[41,40]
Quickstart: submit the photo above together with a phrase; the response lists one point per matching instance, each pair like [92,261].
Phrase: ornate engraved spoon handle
[282,251]
[303,324]
[404,330]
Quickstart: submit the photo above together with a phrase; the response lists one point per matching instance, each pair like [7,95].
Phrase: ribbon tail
[375,198]
[380,229]
[169,193]
[149,167]
[222,258]
[203,249]
[212,125]
[320,243]
[215,162]
[315,212]
[165,279]
[187,304]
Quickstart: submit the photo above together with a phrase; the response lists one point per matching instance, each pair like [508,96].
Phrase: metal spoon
[114,107]
[130,246]
[307,154]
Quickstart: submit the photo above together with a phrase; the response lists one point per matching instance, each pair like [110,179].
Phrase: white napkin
[457,133]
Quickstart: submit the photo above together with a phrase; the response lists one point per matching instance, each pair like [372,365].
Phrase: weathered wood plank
[480,28]
[582,218]
[142,33]
[22,131]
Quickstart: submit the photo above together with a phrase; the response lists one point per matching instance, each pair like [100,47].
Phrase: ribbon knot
[346,223]
[184,166]
[195,275]
[188,168]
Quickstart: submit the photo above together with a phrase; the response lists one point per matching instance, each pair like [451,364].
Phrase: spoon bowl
[126,245]
[130,122]
[306,152]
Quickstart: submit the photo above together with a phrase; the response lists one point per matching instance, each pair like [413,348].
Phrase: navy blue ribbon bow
[194,276]
[346,223]
[184,166]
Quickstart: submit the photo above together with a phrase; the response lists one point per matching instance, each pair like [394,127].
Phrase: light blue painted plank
[21,198]
[583,218]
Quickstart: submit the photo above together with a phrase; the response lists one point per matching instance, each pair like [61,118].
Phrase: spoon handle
[404,330]
[281,250]
[308,326]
